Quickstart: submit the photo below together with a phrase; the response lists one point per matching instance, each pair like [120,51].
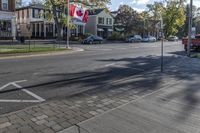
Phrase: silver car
[135,38]
[149,39]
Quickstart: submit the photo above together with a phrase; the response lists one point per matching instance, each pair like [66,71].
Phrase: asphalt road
[58,77]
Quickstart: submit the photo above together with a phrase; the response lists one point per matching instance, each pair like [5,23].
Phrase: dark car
[135,38]
[93,39]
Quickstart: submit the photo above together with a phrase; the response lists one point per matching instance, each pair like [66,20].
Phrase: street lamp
[190,28]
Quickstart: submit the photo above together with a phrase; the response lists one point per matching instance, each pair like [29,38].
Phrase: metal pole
[68,16]
[190,28]
[162,40]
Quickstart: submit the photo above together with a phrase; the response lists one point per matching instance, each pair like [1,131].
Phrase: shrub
[116,36]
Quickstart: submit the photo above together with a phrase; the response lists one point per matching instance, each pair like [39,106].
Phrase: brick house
[7,19]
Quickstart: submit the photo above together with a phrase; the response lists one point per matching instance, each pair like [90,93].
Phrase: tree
[129,18]
[55,6]
[145,18]
[174,17]
[184,29]
[155,12]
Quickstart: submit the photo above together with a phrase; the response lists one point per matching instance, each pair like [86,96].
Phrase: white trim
[99,29]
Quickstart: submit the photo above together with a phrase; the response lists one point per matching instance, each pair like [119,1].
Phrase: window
[4,4]
[22,13]
[107,21]
[27,13]
[110,21]
[35,13]
[100,20]
[18,14]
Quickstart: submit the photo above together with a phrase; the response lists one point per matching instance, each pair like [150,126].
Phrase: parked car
[173,38]
[93,39]
[135,38]
[149,39]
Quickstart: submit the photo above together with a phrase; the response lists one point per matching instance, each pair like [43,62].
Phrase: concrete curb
[71,50]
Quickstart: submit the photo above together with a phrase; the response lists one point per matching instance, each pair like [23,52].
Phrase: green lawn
[196,56]
[14,49]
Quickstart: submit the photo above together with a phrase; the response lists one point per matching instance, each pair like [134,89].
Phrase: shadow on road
[140,74]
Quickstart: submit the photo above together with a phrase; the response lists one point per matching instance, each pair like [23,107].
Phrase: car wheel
[132,41]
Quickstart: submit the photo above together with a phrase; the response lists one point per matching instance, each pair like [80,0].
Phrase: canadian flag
[79,13]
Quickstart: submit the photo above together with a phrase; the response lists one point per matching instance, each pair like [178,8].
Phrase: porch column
[61,32]
[45,34]
[54,29]
[35,29]
[83,29]
[13,28]
[77,27]
[40,30]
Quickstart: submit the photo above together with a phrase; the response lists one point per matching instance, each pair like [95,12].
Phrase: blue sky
[138,5]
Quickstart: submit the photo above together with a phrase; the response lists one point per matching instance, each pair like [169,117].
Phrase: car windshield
[90,37]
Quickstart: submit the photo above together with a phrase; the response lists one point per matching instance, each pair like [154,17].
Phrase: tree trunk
[59,25]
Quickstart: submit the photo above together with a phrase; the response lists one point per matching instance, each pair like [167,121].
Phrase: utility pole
[190,28]
[68,16]
[162,40]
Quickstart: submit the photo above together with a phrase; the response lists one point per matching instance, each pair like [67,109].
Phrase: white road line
[20,81]
[1,88]
[19,101]
[100,49]
[33,95]
[139,69]
[12,83]
[39,99]
[111,64]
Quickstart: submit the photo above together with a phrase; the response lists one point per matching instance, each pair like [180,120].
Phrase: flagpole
[68,16]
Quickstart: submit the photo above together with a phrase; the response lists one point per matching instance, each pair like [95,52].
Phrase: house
[7,19]
[99,23]
[31,23]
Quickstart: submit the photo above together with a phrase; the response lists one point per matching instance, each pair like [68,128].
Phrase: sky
[138,5]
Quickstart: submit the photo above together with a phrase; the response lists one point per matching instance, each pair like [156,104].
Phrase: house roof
[95,12]
[36,6]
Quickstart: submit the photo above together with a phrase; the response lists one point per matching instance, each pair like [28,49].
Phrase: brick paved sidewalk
[54,116]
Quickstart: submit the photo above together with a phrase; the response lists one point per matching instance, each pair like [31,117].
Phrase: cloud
[139,2]
[138,9]
[121,3]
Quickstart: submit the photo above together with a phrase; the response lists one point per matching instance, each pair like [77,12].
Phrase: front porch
[7,26]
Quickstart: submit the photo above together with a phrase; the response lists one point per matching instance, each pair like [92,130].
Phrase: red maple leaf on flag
[79,13]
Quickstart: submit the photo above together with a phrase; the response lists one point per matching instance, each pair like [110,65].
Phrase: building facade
[30,23]
[7,19]
[100,23]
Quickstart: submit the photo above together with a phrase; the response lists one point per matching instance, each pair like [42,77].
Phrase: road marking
[18,101]
[111,64]
[12,83]
[139,69]
[33,95]
[97,49]
[39,99]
